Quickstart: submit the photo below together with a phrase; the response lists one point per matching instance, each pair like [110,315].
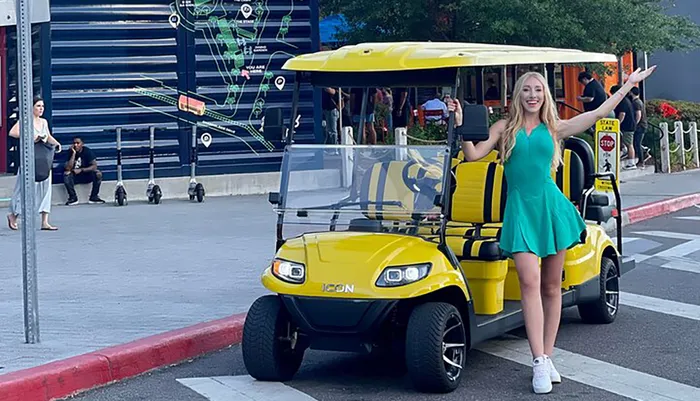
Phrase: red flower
[668,111]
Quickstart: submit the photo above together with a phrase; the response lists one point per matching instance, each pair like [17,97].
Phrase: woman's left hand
[639,75]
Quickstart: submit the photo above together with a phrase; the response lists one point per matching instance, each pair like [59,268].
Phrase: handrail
[569,106]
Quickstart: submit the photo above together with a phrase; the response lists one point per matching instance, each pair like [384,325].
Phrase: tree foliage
[611,26]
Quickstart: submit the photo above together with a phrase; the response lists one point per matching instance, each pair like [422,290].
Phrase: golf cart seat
[475,232]
[386,183]
[477,207]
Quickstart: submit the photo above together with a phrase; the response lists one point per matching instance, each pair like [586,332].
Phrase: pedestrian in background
[43,188]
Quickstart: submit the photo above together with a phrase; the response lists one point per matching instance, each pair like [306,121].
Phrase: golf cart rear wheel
[436,347]
[267,350]
[604,309]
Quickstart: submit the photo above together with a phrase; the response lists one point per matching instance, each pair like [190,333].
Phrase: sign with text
[607,152]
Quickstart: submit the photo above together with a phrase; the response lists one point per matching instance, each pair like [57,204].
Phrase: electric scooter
[195,188]
[153,191]
[120,190]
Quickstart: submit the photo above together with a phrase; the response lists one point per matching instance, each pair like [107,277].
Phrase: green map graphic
[232,31]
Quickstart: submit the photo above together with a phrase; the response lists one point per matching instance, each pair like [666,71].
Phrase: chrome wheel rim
[612,292]
[453,346]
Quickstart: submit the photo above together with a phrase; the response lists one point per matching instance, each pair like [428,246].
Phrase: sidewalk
[113,275]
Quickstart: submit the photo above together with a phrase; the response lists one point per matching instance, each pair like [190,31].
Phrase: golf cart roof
[402,56]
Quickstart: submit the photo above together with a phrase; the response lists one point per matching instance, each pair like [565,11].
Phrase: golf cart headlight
[395,276]
[289,271]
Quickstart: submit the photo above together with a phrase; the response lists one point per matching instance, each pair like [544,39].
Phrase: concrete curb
[655,209]
[84,372]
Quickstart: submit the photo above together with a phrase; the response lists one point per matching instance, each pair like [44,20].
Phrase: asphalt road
[649,353]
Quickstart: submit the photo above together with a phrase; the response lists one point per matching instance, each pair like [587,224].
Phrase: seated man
[81,168]
[436,110]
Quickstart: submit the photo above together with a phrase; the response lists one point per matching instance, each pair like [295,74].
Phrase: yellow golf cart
[396,247]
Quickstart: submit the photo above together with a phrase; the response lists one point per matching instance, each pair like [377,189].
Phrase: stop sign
[607,143]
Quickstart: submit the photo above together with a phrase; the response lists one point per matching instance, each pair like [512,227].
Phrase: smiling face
[533,95]
[39,108]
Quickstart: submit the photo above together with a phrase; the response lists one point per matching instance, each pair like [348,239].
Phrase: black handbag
[43,161]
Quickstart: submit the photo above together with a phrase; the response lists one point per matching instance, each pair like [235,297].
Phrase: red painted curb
[69,376]
[654,209]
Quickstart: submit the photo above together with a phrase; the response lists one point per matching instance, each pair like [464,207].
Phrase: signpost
[26,126]
[607,152]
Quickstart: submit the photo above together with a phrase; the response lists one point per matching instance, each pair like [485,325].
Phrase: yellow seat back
[491,157]
[479,193]
[570,177]
[383,182]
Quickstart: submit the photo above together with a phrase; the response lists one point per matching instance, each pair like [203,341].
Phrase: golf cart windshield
[359,187]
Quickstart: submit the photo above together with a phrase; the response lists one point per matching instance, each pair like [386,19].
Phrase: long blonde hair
[516,118]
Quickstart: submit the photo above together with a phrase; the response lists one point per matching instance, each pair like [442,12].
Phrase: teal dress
[538,217]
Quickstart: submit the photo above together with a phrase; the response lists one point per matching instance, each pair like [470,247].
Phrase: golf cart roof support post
[551,79]
[284,178]
[363,109]
[447,168]
[479,85]
[295,107]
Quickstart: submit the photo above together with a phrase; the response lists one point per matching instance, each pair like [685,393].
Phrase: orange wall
[572,88]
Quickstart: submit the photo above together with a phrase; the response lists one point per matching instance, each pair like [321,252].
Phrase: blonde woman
[43,188]
[539,221]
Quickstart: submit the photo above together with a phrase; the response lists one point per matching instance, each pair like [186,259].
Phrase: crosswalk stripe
[659,305]
[683,264]
[595,373]
[695,218]
[669,234]
[243,388]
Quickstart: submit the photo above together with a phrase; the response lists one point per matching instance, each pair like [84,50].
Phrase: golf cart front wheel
[604,309]
[436,347]
[268,353]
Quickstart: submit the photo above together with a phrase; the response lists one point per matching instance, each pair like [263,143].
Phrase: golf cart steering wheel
[413,183]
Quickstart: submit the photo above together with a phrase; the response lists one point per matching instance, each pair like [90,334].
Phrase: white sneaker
[541,381]
[553,374]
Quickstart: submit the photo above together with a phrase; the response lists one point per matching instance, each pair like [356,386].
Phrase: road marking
[683,264]
[243,388]
[696,218]
[688,311]
[605,376]
[686,248]
[669,234]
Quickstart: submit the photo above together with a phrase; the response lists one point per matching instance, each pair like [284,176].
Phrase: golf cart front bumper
[338,324]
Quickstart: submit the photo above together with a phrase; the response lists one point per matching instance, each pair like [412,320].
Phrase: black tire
[121,197]
[157,194]
[604,309]
[266,357]
[430,326]
[200,192]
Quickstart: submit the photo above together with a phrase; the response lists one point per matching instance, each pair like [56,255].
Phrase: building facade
[677,75]
[172,65]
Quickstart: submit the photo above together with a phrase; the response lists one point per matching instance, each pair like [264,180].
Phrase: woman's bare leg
[551,298]
[529,276]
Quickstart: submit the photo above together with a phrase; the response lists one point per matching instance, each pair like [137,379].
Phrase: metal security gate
[172,64]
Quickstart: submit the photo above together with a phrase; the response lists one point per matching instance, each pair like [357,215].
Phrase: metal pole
[26,125]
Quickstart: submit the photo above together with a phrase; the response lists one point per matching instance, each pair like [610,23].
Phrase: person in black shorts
[625,113]
[642,125]
[81,168]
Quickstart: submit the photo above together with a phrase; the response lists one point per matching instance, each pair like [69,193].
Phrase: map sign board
[607,152]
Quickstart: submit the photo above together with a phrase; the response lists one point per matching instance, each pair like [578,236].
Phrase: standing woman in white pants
[43,188]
